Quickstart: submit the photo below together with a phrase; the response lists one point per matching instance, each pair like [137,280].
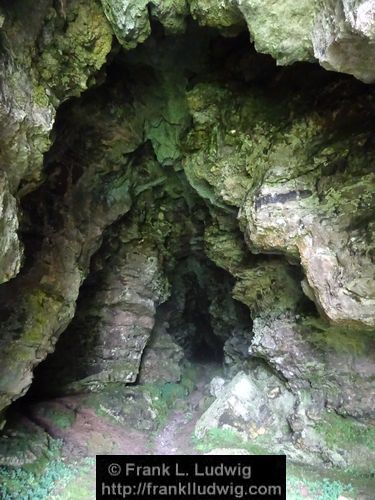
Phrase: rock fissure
[193,245]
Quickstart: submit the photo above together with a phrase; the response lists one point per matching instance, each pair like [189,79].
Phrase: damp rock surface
[171,198]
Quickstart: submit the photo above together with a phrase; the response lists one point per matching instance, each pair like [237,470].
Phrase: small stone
[228,451]
[216,386]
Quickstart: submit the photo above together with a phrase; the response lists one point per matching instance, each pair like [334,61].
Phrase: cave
[187,228]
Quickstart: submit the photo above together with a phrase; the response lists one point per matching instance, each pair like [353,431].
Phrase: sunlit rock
[245,406]
[344,37]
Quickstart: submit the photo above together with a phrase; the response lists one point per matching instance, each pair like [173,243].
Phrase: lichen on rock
[343,37]
[70,55]
[197,206]
[224,15]
[282,29]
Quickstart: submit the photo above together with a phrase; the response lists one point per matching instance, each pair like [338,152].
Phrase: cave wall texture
[182,153]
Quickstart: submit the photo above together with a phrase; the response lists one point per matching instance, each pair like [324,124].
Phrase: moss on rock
[75,53]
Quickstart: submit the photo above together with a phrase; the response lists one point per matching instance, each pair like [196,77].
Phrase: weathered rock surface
[245,406]
[10,247]
[49,53]
[291,186]
[339,34]
[267,416]
[195,153]
[113,323]
[282,29]
[223,15]
[335,366]
[312,216]
[161,360]
[40,303]
[240,155]
[344,35]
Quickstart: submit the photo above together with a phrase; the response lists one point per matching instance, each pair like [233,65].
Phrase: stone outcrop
[291,185]
[336,366]
[339,34]
[161,361]
[343,37]
[113,323]
[241,151]
[48,55]
[199,186]
[281,29]
[244,404]
[39,304]
[10,248]
[266,416]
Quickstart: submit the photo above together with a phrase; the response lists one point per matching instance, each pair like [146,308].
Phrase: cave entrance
[112,325]
[191,327]
[191,312]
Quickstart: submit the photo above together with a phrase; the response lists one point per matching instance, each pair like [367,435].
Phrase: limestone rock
[129,20]
[344,35]
[228,451]
[47,57]
[244,406]
[217,386]
[338,33]
[10,247]
[44,63]
[172,14]
[309,354]
[161,359]
[282,29]
[291,186]
[293,217]
[183,161]
[105,341]
[261,412]
[224,15]
[40,303]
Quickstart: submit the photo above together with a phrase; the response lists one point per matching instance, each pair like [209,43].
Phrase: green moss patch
[324,489]
[343,431]
[334,338]
[33,480]
[227,438]
[57,415]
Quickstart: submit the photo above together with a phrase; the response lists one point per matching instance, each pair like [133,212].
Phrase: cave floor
[92,433]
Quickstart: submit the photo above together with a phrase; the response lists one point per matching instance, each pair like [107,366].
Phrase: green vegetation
[326,337]
[156,398]
[342,431]
[227,438]
[167,396]
[35,481]
[81,484]
[325,484]
[20,484]
[58,415]
[325,489]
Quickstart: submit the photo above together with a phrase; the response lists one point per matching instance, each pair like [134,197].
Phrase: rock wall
[339,34]
[48,54]
[197,174]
